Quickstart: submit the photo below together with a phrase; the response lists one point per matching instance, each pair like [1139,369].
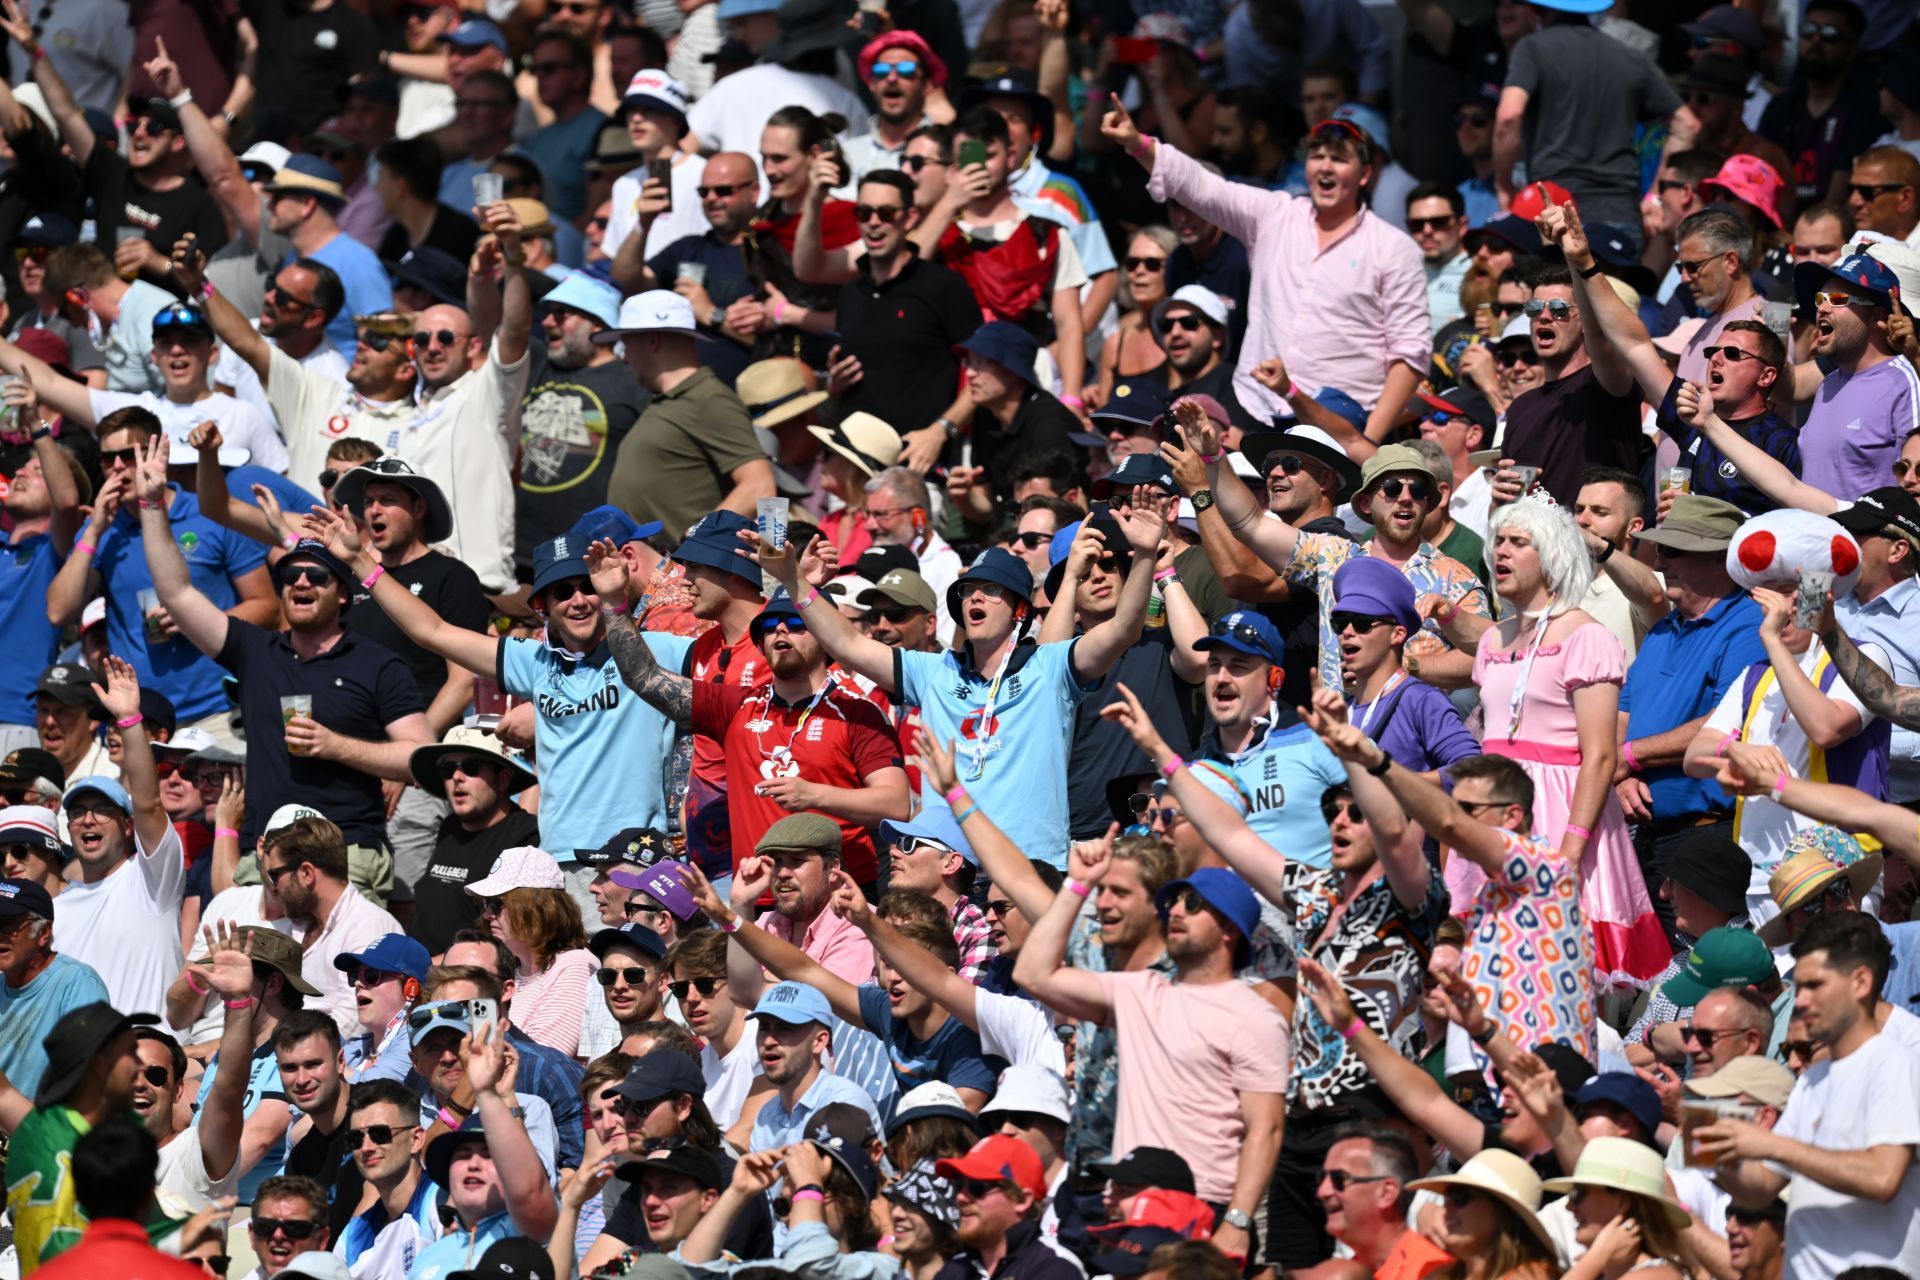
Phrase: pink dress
[1629,947]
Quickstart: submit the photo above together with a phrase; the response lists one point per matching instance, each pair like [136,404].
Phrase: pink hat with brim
[936,69]
[1753,181]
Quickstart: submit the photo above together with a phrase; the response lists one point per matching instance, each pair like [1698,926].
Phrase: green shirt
[46,1213]
[677,462]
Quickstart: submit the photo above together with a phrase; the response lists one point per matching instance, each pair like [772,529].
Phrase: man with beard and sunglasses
[472,772]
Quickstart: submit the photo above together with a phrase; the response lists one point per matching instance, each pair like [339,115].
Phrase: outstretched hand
[1119,127]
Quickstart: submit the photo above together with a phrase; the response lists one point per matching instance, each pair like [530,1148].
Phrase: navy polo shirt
[1684,668]
[1714,475]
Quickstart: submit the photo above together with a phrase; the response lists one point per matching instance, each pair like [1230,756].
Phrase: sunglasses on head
[1359,622]
[719,190]
[1242,632]
[905,68]
[633,977]
[1143,264]
[291,1228]
[1555,309]
[381,1134]
[705,986]
[1414,487]
[887,213]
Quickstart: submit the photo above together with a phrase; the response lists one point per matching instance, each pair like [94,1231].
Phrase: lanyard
[1399,678]
[1517,699]
[786,752]
[981,737]
[380,1042]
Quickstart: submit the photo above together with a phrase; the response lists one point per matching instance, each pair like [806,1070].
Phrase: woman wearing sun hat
[1628,1221]
[1490,1220]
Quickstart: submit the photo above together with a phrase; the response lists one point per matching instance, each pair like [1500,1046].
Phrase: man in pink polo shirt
[1339,294]
[796,859]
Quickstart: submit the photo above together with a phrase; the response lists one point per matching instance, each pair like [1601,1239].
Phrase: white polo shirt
[354,925]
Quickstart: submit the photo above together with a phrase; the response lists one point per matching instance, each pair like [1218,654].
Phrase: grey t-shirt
[1586,93]
[82,355]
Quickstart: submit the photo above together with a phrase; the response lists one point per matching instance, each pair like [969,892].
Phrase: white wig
[1565,562]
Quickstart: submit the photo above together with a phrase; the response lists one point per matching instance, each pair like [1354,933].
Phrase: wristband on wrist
[1592,271]
[950,797]
[1214,456]
[42,432]
[730,925]
[1483,1036]
[1077,888]
[1166,574]
[289,542]
[810,1193]
[1720,748]
[449,1117]
[127,722]
[1780,788]
[180,99]
[1575,829]
[1353,1028]
[613,610]
[206,288]
[241,1003]
[1626,753]
[1600,556]
[84,546]
[226,832]
[1173,765]
[779,309]
[960,818]
[1448,614]
[196,986]
[1380,770]
[379,572]
[149,504]
[1073,402]
[36,52]
[808,599]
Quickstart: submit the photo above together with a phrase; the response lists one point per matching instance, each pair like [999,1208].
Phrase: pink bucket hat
[936,69]
[1754,181]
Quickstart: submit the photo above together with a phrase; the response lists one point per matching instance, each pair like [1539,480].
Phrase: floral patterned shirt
[1317,555]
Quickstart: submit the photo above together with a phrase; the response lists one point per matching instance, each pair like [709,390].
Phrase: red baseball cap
[1170,1210]
[999,1158]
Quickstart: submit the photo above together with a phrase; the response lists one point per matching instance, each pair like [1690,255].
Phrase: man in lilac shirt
[1413,722]
[1339,294]
[1871,400]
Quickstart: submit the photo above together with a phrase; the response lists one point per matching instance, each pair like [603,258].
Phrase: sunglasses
[1189,899]
[377,341]
[633,977]
[1243,632]
[1144,264]
[1348,809]
[1033,541]
[492,906]
[156,1076]
[1444,417]
[896,613]
[21,852]
[1705,1035]
[1473,119]
[705,986]
[1868,192]
[1001,907]
[1664,185]
[1838,894]
[1503,310]
[1417,225]
[1359,622]
[1393,486]
[1187,322]
[1755,1217]
[991,590]
[719,191]
[914,164]
[1686,268]
[147,125]
[31,253]
[976,1188]
[445,337]
[1557,309]
[1834,298]
[381,1134]
[216,1265]
[1341,1179]
[312,575]
[291,1228]
[1516,355]
[637,907]
[1290,464]
[1732,354]
[372,977]
[887,213]
[1791,1049]
[1828,31]
[1458,1197]
[472,766]
[564,590]
[905,68]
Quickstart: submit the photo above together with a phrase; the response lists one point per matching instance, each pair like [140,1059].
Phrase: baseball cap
[30,824]
[1758,1077]
[794,1003]
[1165,1208]
[286,815]
[1627,1091]
[1727,22]
[998,1158]
[1369,586]
[28,764]
[685,1161]
[1140,402]
[1136,468]
[631,846]
[318,1264]
[24,898]
[901,586]
[511,1258]
[1461,402]
[476,33]
[1246,632]
[936,825]
[1149,1167]
[632,935]
[47,230]
[521,867]
[1888,509]
[662,1072]
[656,310]
[656,89]
[842,1131]
[389,953]
[68,682]
[611,523]
[1196,296]
[101,785]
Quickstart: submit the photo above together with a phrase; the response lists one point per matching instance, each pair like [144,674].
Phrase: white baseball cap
[267,153]
[288,814]
[94,614]
[653,88]
[656,310]
[187,741]
[522,867]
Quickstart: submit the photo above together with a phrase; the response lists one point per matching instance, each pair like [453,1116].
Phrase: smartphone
[1810,597]
[973,151]
[482,1010]
[1134,50]
[661,171]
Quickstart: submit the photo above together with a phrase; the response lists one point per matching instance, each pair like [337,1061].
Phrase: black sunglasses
[1341,1179]
[1360,622]
[914,164]
[217,1264]
[1033,541]
[1190,901]
[472,766]
[721,189]
[632,976]
[1429,224]
[1733,354]
[377,341]
[128,456]
[705,986]
[896,613]
[1244,632]
[1413,486]
[1001,907]
[291,1228]
[1516,355]
[1136,263]
[1348,809]
[156,1076]
[312,574]
[427,337]
[887,213]
[1187,323]
[381,1134]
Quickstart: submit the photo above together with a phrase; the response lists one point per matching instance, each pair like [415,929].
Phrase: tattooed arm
[667,692]
[1867,678]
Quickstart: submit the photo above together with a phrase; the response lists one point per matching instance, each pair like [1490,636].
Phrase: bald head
[444,347]
[729,213]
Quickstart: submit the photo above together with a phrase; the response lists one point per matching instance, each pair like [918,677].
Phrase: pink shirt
[1338,317]
[830,942]
[1186,1055]
[549,1005]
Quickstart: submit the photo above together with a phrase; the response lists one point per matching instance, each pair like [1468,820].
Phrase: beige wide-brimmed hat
[865,441]
[1621,1164]
[1505,1177]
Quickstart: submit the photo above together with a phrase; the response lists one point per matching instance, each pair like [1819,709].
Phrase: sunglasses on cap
[181,316]
[905,68]
[1555,309]
[1243,632]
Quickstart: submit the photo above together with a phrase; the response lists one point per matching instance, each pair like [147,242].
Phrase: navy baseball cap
[1858,273]
[1137,402]
[556,560]
[1614,251]
[390,953]
[476,33]
[1627,1091]
[635,937]
[633,846]
[47,230]
[1225,892]
[613,524]
[436,272]
[1135,469]
[996,565]
[1247,632]
[662,1072]
[314,551]
[1006,343]
[1516,232]
[23,898]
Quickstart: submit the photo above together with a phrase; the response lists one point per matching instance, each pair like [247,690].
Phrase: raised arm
[812,260]
[843,642]
[785,960]
[1827,722]
[209,150]
[504,259]
[71,400]
[1271,540]
[63,494]
[1617,342]
[1437,812]
[1847,808]
[1870,682]
[477,652]
[1235,207]
[196,617]
[228,972]
[121,697]
[232,328]
[1041,969]
[923,970]
[77,582]
[668,692]
[1758,467]
[1396,841]
[61,104]
[1143,523]
[1001,860]
[493,1066]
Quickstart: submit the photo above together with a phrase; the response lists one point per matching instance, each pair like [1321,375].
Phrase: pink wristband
[798,1196]
[196,986]
[1173,765]
[84,546]
[1575,829]
[379,572]
[729,926]
[1213,457]
[1073,402]
[1353,1028]
[127,722]
[952,803]
[1626,752]
[1075,887]
[1720,749]
[1163,575]
[1780,788]
[779,309]
[241,1003]
[219,832]
[808,599]
[448,1118]
[289,542]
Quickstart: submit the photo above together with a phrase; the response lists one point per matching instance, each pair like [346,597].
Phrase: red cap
[45,344]
[999,1158]
[1168,1210]
[936,69]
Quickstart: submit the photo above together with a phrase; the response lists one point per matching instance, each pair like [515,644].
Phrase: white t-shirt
[127,926]
[183,1186]
[241,425]
[1763,827]
[940,567]
[354,925]
[684,219]
[1017,1030]
[734,112]
[1869,1098]
[231,371]
[462,438]
[729,1078]
[424,107]
[314,410]
[239,905]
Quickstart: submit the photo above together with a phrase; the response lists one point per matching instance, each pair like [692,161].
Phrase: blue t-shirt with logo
[215,557]
[1014,766]
[605,755]
[27,569]
[263,1085]
[951,1054]
[1284,775]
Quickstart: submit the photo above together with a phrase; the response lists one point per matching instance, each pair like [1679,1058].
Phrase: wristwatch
[716,318]
[1202,500]
[1380,770]
[1235,1218]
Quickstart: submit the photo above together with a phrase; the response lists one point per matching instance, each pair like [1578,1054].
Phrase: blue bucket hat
[1225,892]
[613,524]
[996,565]
[557,559]
[714,542]
[1246,632]
[1006,343]
[581,292]
[390,953]
[1370,586]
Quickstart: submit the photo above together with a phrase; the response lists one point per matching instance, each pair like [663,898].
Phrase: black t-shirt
[450,232]
[358,688]
[454,592]
[326,1158]
[305,56]
[1226,271]
[726,283]
[1219,385]
[1039,425]
[905,332]
[1573,423]
[1819,147]
[571,424]
[164,215]
[442,905]
[750,1236]
[1102,750]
